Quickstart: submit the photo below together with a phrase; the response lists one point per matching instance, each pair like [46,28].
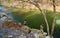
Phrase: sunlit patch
[32,14]
[58,21]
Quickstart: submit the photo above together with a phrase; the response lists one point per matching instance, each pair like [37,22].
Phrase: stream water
[4,31]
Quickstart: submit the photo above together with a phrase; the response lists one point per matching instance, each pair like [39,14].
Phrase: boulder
[48,37]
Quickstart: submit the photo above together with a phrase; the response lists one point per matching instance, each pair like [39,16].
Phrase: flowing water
[4,31]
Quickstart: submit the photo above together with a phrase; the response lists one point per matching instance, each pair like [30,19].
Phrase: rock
[21,36]
[48,37]
[10,36]
[25,28]
[11,25]
[0,25]
[30,35]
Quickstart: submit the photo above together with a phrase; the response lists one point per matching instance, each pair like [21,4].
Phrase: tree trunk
[43,12]
[54,19]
